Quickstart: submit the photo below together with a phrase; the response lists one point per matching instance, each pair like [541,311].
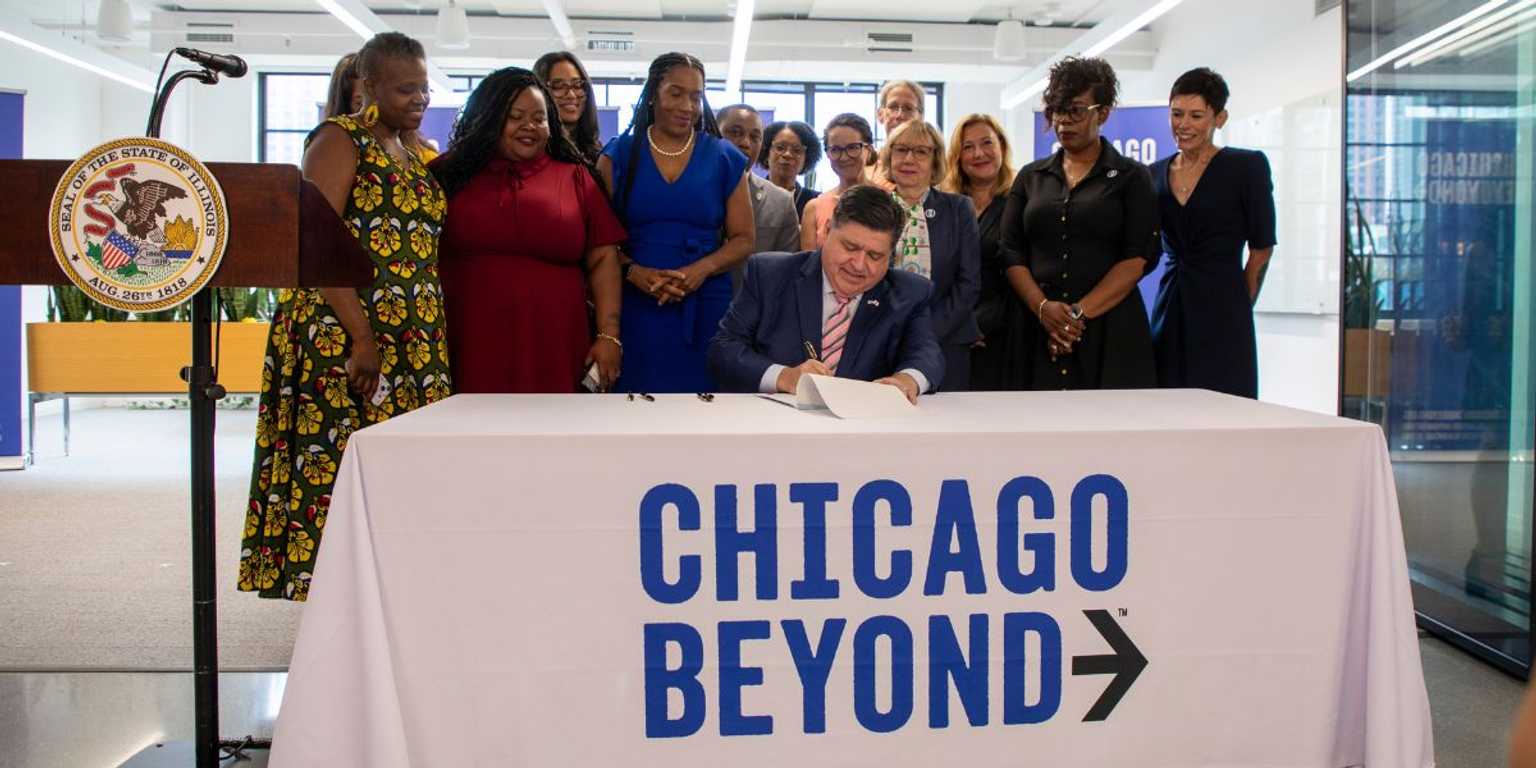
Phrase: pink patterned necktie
[834,333]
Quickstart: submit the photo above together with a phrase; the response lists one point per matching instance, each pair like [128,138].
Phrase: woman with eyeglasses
[1079,230]
[791,151]
[681,190]
[566,79]
[850,145]
[940,242]
[1215,203]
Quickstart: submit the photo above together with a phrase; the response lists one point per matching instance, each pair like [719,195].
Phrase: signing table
[1157,578]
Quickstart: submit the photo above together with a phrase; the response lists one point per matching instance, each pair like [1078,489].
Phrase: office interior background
[1401,135]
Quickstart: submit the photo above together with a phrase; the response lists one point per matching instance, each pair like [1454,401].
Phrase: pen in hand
[810,352]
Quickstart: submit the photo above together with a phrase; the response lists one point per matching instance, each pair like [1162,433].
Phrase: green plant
[175,314]
[1362,304]
[68,304]
[239,304]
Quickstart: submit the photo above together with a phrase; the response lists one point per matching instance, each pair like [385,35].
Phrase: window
[291,103]
[290,107]
[813,103]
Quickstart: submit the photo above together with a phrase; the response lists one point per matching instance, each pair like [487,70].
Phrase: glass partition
[1437,297]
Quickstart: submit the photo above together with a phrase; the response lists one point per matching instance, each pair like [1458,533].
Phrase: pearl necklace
[652,139]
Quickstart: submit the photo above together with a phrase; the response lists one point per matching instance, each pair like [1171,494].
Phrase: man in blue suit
[837,311]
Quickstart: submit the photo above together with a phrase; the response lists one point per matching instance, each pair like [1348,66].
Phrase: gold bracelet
[618,343]
[1041,308]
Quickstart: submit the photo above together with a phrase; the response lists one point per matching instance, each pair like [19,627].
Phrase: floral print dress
[307,411]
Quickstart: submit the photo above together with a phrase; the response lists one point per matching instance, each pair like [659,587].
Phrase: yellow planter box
[136,357]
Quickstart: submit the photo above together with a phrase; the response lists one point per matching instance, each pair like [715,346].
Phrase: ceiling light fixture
[142,85]
[1008,42]
[357,25]
[114,20]
[1129,28]
[741,32]
[1426,38]
[452,26]
[1114,38]
[1485,27]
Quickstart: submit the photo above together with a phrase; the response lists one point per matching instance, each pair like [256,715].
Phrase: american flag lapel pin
[874,302]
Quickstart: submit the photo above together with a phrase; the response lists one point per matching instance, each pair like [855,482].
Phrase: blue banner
[10,303]
[1141,134]
[1451,378]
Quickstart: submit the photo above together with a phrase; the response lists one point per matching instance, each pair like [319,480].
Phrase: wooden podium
[283,234]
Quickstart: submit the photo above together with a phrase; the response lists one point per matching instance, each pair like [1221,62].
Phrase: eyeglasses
[793,150]
[563,87]
[839,151]
[904,109]
[902,151]
[1070,114]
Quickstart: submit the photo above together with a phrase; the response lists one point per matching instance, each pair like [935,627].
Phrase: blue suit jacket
[779,309]
[954,240]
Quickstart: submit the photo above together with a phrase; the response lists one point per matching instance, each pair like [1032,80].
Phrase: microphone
[228,65]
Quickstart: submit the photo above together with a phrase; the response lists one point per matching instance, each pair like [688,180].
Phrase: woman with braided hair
[341,359]
[528,229]
[676,185]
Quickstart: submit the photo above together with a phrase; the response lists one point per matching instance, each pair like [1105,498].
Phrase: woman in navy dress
[676,185]
[1213,201]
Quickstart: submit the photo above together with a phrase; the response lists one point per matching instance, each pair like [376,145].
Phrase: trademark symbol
[1123,612]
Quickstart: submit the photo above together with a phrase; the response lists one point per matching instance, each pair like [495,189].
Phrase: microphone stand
[203,394]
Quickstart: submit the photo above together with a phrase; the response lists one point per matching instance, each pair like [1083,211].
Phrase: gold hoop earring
[371,116]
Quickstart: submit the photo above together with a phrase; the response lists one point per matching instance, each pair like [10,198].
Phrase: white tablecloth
[482,595]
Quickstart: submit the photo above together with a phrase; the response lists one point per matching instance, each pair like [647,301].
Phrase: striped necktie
[834,333]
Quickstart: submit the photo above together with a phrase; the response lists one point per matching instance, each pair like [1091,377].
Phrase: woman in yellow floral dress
[340,359]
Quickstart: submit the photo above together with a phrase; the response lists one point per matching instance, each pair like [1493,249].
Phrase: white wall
[67,111]
[1274,55]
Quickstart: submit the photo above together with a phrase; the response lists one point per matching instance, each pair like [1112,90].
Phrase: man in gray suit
[778,228]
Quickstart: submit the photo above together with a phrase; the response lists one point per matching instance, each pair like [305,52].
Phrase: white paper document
[852,399]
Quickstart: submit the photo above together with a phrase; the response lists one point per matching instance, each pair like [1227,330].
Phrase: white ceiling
[1058,11]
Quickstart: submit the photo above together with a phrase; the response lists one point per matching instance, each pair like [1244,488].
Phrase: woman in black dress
[1213,201]
[1078,232]
[980,167]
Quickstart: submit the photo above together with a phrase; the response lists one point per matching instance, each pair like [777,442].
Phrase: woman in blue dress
[682,194]
[1212,201]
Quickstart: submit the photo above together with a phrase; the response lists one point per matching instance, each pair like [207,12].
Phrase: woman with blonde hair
[940,242]
[979,165]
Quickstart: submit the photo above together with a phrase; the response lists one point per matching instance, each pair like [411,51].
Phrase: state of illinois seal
[138,224]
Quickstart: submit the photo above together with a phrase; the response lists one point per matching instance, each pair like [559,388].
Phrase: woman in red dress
[528,230]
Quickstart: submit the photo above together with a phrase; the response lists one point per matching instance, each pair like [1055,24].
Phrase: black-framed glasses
[839,150]
[563,87]
[1071,113]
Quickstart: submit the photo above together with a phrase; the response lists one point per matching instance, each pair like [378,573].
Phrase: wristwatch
[1075,311]
[624,271]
